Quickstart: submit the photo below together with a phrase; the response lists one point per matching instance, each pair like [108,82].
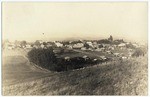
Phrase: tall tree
[37,43]
[23,43]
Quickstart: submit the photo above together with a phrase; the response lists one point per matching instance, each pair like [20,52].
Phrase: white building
[59,44]
[78,45]
[122,45]
[28,46]
[90,44]
[83,48]
[42,46]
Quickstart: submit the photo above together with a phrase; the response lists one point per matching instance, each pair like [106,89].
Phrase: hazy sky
[29,20]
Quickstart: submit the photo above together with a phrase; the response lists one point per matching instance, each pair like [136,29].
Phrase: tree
[37,43]
[44,43]
[23,43]
[138,52]
[86,46]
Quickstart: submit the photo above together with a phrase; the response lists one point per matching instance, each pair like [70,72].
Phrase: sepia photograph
[74,48]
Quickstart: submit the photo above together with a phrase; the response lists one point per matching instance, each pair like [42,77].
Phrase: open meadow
[127,77]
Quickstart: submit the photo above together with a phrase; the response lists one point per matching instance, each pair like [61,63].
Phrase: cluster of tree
[74,63]
[77,41]
[105,41]
[65,43]
[45,58]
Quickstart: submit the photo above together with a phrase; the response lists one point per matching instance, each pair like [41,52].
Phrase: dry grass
[128,77]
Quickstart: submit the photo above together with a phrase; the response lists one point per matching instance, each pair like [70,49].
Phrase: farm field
[126,77]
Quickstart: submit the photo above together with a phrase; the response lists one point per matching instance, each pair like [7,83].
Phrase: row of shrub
[45,58]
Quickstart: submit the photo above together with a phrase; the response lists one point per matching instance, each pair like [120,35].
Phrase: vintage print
[74,48]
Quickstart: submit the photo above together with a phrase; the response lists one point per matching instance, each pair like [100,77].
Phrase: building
[122,45]
[58,44]
[28,46]
[90,44]
[78,45]
[83,48]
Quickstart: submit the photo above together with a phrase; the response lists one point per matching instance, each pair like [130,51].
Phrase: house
[70,47]
[127,43]
[122,45]
[124,57]
[116,54]
[10,47]
[90,44]
[83,48]
[94,60]
[58,44]
[42,46]
[95,42]
[111,48]
[95,45]
[28,46]
[78,45]
[90,49]
[108,52]
[85,57]
[67,58]
[103,57]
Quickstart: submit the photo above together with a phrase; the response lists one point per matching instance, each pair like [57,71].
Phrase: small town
[105,48]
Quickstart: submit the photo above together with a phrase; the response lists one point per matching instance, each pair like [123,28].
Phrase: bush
[138,52]
[43,57]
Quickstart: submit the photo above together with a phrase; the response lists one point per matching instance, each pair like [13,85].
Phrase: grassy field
[128,77]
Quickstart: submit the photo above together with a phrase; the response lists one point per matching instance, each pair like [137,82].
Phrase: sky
[32,21]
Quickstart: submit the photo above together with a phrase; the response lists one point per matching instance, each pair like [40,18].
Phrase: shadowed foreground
[127,77]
